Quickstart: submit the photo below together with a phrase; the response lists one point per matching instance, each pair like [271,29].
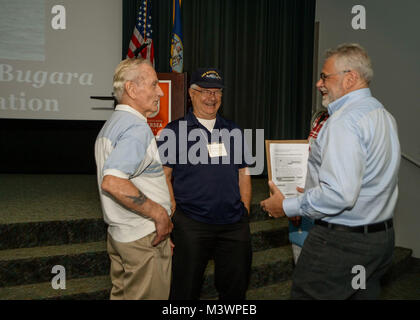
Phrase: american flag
[143,33]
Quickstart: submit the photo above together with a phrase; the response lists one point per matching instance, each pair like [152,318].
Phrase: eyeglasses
[324,76]
[209,93]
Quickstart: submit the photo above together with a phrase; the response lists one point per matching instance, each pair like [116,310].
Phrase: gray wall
[391,38]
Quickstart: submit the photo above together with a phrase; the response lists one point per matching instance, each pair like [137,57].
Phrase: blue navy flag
[143,33]
[177,47]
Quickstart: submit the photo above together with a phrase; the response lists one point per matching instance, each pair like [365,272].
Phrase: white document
[289,165]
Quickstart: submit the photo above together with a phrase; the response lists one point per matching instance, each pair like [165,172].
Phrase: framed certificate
[287,163]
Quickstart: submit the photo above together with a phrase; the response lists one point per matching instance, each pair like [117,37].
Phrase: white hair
[126,71]
[352,56]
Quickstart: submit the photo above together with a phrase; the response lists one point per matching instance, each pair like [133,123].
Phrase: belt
[380,226]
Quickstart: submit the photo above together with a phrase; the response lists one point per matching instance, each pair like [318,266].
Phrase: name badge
[216,150]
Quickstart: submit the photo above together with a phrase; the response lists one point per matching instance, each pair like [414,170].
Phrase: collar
[127,108]
[192,120]
[349,97]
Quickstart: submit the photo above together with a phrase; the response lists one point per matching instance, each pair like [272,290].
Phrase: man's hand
[163,225]
[127,194]
[274,205]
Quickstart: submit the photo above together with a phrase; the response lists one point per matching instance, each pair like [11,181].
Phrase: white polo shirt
[126,148]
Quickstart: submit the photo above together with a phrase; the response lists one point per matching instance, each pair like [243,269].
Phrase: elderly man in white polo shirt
[133,190]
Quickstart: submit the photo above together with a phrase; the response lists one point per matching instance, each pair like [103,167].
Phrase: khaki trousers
[140,271]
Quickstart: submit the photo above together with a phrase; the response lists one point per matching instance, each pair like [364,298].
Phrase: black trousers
[196,243]
[329,266]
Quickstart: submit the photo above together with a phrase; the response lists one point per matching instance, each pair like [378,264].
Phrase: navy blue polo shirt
[205,191]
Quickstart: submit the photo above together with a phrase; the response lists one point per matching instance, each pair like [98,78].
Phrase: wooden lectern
[178,93]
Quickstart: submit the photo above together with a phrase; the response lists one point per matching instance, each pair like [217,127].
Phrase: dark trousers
[329,262]
[196,243]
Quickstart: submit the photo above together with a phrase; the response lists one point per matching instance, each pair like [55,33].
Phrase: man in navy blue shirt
[203,159]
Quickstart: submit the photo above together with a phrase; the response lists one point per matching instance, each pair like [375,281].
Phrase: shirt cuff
[116,173]
[291,207]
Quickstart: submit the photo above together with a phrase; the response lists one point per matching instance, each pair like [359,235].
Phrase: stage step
[272,265]
[277,291]
[31,265]
[270,280]
[73,214]
[406,283]
[270,233]
[48,233]
[400,264]
[91,288]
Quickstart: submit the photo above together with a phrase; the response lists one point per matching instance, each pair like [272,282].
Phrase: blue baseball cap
[207,78]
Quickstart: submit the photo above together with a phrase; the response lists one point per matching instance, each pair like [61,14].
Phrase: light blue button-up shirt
[352,166]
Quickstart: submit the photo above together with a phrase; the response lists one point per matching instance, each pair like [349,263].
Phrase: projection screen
[55,55]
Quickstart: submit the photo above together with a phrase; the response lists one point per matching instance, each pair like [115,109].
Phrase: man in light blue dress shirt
[351,189]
